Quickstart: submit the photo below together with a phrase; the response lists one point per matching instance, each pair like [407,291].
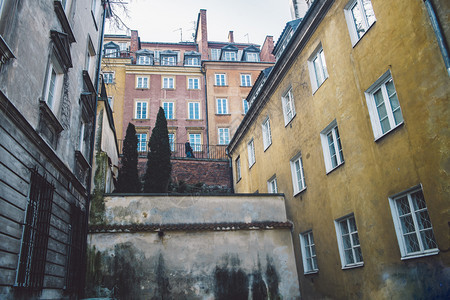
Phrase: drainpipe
[231,170]
[438,32]
[206,108]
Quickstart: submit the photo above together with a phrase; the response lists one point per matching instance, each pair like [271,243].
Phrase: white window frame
[142,82]
[381,85]
[215,54]
[142,113]
[252,56]
[168,83]
[193,138]
[245,106]
[414,210]
[110,52]
[354,245]
[332,129]
[298,174]
[142,142]
[287,102]
[317,68]
[123,47]
[367,21]
[194,112]
[192,61]
[221,79]
[223,136]
[229,56]
[172,141]
[246,80]
[238,169]
[308,249]
[266,133]
[53,85]
[272,186]
[170,113]
[144,60]
[222,106]
[168,60]
[108,77]
[193,83]
[251,153]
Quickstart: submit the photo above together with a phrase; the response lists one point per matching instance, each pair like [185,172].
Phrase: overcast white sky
[158,20]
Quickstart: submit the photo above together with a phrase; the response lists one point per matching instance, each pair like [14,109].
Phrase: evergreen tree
[128,181]
[158,171]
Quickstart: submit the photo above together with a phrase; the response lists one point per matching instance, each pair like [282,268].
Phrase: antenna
[248,38]
[181,33]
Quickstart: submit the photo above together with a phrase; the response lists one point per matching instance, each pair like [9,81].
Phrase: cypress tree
[157,175]
[128,180]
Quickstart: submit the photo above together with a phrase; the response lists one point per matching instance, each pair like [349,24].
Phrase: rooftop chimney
[267,49]
[202,34]
[230,37]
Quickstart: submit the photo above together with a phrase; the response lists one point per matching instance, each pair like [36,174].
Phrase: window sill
[193,89]
[353,266]
[268,146]
[290,121]
[311,272]
[171,120]
[356,42]
[220,85]
[328,172]
[252,165]
[299,192]
[387,133]
[239,180]
[168,89]
[317,88]
[141,119]
[223,114]
[141,88]
[193,120]
[431,253]
[246,86]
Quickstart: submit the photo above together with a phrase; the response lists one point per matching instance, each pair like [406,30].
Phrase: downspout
[231,169]
[206,108]
[438,32]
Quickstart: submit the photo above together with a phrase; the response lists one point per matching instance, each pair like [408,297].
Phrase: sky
[251,20]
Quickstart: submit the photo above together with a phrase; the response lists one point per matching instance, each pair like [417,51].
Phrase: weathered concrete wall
[203,247]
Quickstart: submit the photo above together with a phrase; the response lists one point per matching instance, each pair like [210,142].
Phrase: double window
[384,107]
[287,102]
[168,60]
[267,135]
[412,224]
[252,56]
[194,110]
[298,176]
[141,82]
[192,61]
[229,56]
[332,148]
[245,106]
[193,83]
[215,54]
[142,142]
[144,60]
[251,153]
[348,242]
[195,139]
[317,68]
[246,80]
[224,136]
[220,80]
[222,106]
[308,252]
[168,83]
[169,110]
[141,110]
[108,77]
[360,16]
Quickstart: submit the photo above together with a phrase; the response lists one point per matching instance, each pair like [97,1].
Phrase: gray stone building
[49,52]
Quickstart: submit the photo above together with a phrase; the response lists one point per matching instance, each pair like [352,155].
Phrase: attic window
[144,60]
[168,60]
[229,56]
[192,61]
[252,56]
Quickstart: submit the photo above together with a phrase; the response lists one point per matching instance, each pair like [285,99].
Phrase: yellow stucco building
[351,124]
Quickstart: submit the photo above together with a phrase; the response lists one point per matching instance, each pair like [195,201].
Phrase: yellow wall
[402,41]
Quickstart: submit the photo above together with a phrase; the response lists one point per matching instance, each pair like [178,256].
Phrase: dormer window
[144,57]
[252,56]
[144,60]
[112,50]
[192,61]
[251,53]
[229,56]
[168,60]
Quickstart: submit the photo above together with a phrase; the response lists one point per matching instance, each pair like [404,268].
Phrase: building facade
[48,76]
[181,78]
[351,124]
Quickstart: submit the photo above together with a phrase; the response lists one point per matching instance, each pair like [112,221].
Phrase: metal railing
[203,151]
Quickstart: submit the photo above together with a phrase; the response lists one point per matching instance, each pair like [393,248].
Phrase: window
[169,110]
[144,60]
[360,16]
[142,142]
[238,168]
[215,54]
[317,68]
[252,56]
[287,102]
[194,110]
[224,136]
[141,82]
[331,146]
[384,107]
[168,83]
[298,176]
[308,253]
[53,85]
[172,141]
[111,102]
[246,80]
[348,242]
[110,52]
[168,60]
[140,110]
[229,56]
[192,61]
[195,139]
[108,77]
[272,185]
[245,105]
[193,83]
[123,47]
[83,143]
[35,234]
[220,79]
[251,153]
[267,135]
[412,224]
[222,106]
[90,65]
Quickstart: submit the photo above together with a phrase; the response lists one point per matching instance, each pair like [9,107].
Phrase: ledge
[63,20]
[5,51]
